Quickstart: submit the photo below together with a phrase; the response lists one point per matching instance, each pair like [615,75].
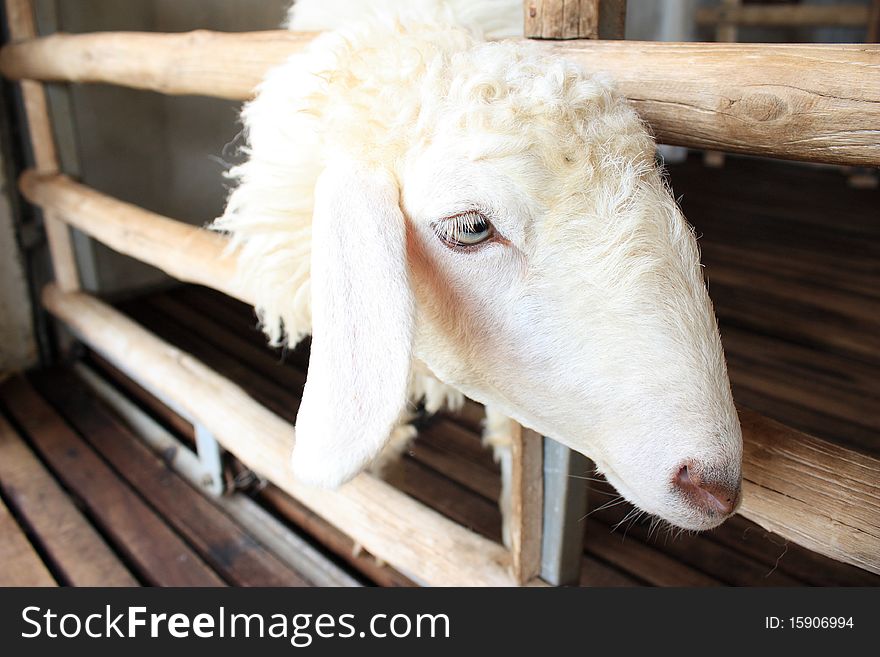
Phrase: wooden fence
[817,103]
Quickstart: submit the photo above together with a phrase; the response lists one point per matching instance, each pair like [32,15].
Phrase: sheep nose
[715,497]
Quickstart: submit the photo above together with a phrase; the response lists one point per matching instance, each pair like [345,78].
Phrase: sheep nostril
[715,497]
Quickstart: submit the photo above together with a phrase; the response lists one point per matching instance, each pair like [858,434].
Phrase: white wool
[587,320]
[495,19]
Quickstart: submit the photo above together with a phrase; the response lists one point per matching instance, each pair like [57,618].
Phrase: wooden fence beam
[526,503]
[388,523]
[203,63]
[184,252]
[820,495]
[816,102]
[817,494]
[22,27]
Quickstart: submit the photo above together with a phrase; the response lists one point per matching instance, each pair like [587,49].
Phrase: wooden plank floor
[84,502]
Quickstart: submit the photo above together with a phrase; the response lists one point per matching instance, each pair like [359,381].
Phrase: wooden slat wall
[792,259]
[874,23]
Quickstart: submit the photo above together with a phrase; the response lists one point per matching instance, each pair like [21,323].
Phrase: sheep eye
[464,230]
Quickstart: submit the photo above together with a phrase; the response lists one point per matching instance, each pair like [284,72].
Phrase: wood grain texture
[808,103]
[817,102]
[830,493]
[218,64]
[78,552]
[640,560]
[22,27]
[386,522]
[333,539]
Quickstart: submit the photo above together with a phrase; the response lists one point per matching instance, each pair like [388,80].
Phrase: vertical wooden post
[575,19]
[20,18]
[561,19]
[612,19]
[873,35]
[526,503]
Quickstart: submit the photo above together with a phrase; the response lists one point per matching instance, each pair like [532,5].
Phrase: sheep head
[416,197]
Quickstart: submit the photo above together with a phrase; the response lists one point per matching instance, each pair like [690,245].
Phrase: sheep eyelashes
[464,230]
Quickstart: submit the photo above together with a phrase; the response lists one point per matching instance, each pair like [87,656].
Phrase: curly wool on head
[379,88]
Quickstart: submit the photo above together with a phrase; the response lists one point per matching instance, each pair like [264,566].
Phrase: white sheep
[446,214]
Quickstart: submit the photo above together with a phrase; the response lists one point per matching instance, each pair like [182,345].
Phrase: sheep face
[556,279]
[496,216]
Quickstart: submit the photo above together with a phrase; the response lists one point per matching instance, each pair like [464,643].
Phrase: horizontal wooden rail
[786,15]
[184,252]
[221,64]
[388,523]
[819,495]
[817,102]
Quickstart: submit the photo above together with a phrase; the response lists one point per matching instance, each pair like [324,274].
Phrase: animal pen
[812,103]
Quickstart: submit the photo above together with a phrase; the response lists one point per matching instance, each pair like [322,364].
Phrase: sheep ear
[362,325]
